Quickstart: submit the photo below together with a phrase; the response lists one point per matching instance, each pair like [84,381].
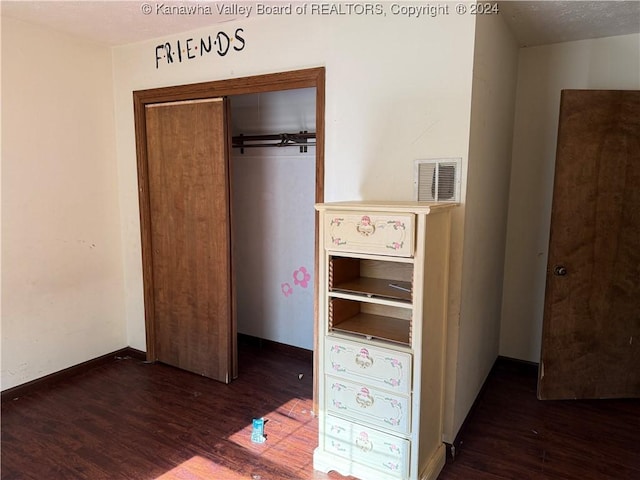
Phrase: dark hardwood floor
[513,435]
[130,420]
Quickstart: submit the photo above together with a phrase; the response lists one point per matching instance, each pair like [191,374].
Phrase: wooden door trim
[307,78]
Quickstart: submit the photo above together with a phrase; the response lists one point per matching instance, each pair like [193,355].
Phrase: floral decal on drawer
[397,224]
[364,398]
[338,387]
[337,367]
[363,442]
[393,448]
[363,358]
[395,245]
[338,429]
[394,466]
[337,446]
[337,349]
[393,403]
[337,241]
[397,364]
[365,227]
[339,405]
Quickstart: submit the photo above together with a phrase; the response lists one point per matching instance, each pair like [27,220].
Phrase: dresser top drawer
[381,233]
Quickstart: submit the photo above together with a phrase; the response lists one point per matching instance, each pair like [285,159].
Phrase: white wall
[606,63]
[473,342]
[397,89]
[274,192]
[62,278]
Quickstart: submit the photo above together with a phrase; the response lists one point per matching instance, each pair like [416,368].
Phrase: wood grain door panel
[591,327]
[190,235]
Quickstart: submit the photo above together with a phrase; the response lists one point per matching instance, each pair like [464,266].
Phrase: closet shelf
[274,140]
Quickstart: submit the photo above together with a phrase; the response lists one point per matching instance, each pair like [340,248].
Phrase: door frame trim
[306,78]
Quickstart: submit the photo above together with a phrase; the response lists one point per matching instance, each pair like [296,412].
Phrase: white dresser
[382,308]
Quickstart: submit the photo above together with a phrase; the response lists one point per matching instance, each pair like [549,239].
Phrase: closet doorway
[272,205]
[209,325]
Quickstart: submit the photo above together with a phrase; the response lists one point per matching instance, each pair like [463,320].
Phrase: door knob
[559,271]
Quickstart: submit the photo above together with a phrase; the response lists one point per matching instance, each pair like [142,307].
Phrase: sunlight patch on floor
[283,427]
[278,424]
[199,468]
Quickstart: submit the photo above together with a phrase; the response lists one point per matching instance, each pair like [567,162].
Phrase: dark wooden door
[591,328]
[187,148]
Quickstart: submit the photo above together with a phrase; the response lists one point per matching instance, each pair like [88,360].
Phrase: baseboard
[56,377]
[281,348]
[44,382]
[522,367]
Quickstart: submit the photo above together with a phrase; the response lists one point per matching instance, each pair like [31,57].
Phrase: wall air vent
[437,180]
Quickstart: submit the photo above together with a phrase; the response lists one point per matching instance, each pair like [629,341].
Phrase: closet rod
[274,140]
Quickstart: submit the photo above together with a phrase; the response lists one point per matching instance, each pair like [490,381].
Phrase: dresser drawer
[367,404]
[375,366]
[377,233]
[367,446]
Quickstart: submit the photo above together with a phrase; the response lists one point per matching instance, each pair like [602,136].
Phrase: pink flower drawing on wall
[286,289]
[301,277]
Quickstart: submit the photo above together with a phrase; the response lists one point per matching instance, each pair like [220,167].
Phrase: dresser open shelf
[371,278]
[382,313]
[370,320]
[370,298]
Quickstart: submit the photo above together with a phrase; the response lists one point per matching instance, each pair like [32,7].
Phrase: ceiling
[544,22]
[121,22]
[111,22]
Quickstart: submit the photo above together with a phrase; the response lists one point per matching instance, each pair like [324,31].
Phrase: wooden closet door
[591,328]
[187,148]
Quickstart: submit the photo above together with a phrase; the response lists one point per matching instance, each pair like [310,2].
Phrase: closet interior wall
[273,196]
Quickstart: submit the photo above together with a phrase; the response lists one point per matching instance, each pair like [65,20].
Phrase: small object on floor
[257,434]
[300,375]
